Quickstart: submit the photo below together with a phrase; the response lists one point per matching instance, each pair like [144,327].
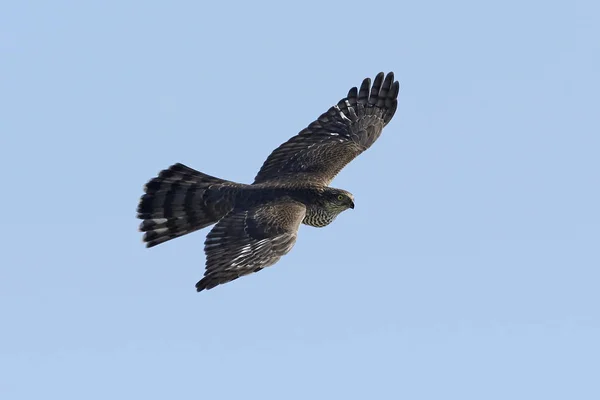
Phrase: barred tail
[182,200]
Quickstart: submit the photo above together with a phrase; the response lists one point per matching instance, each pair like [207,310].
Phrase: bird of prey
[257,224]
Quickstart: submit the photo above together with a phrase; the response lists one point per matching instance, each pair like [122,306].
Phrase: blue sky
[468,270]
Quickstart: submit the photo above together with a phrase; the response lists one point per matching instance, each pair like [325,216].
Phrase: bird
[256,224]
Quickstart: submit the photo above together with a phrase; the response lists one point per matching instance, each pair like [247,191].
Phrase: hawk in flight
[257,224]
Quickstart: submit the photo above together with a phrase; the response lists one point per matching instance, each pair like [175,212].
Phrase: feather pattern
[321,150]
[246,241]
[182,200]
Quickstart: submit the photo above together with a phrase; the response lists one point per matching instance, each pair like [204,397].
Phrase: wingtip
[395,89]
[201,285]
[389,79]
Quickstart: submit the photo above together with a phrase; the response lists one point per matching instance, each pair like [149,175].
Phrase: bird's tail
[182,200]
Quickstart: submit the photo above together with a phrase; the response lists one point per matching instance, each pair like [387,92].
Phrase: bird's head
[338,200]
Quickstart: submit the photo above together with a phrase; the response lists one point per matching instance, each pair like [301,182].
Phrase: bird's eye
[340,197]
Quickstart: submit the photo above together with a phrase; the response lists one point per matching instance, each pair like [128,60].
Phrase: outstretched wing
[246,241]
[321,150]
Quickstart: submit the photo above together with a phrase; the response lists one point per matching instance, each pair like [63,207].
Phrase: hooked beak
[352,205]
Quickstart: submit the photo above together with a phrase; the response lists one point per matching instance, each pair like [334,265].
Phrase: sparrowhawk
[257,224]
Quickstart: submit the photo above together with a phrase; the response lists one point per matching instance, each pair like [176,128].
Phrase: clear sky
[470,268]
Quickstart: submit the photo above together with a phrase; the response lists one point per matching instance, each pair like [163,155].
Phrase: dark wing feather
[321,150]
[246,241]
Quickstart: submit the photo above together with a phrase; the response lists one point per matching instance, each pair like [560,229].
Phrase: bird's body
[256,224]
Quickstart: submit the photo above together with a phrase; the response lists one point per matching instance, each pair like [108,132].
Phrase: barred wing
[246,241]
[321,150]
